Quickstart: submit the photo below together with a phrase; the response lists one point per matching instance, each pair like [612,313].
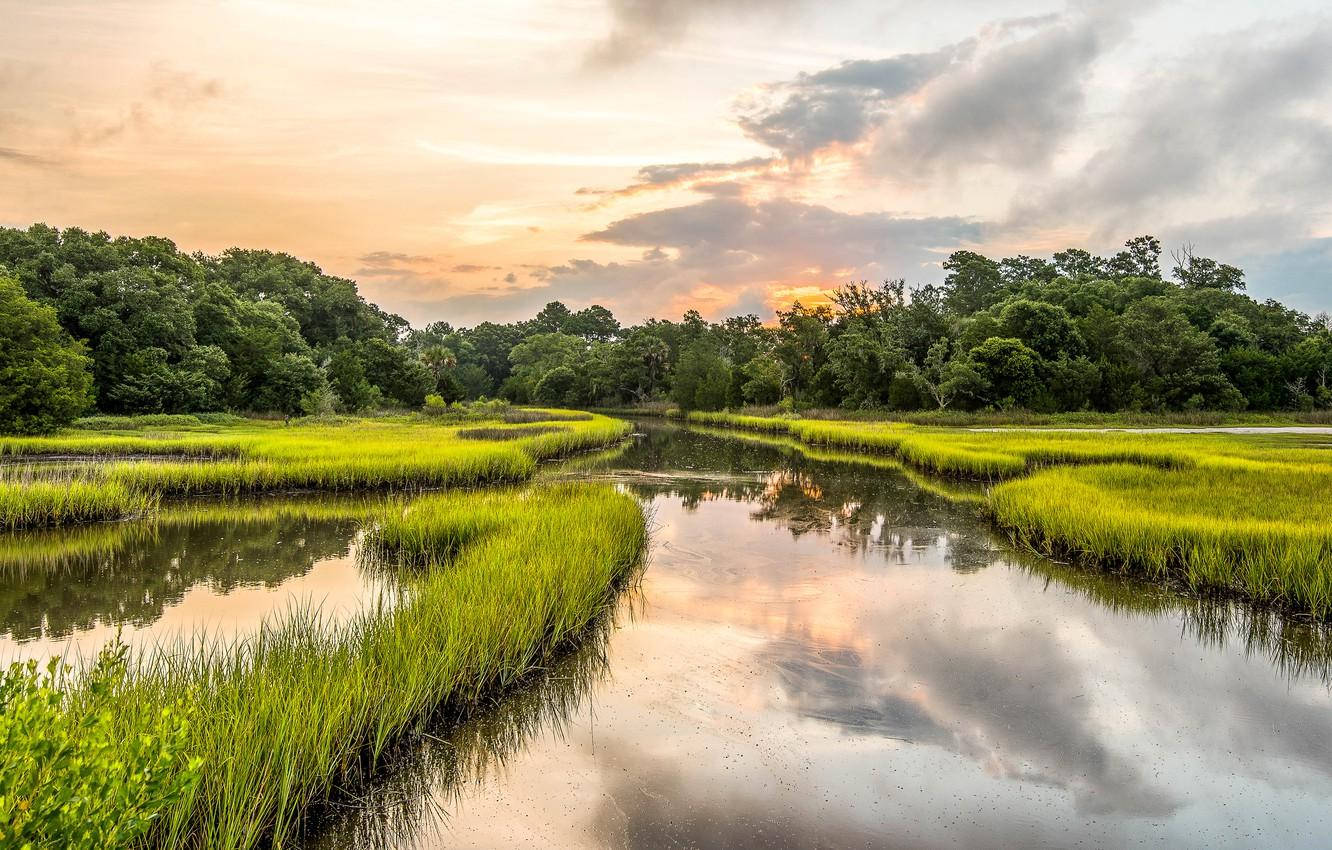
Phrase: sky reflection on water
[827,655]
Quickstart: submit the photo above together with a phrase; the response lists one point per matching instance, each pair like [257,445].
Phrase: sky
[472,161]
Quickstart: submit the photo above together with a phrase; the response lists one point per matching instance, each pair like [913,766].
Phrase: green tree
[1045,328]
[1011,371]
[44,375]
[702,378]
[1176,365]
[555,386]
[762,380]
[944,378]
[346,377]
[973,283]
[1194,272]
[801,347]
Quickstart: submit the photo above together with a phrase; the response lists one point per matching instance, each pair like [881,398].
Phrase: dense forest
[130,325]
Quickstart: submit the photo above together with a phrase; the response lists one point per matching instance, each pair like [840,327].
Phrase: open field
[255,456]
[1215,512]
[268,726]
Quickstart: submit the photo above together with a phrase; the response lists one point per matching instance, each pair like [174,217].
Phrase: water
[198,570]
[820,654]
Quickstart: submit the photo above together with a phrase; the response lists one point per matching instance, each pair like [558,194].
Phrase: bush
[435,405]
[68,778]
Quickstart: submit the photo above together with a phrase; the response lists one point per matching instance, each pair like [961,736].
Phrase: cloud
[1009,95]
[839,105]
[181,89]
[23,157]
[734,239]
[725,255]
[1241,123]
[169,95]
[393,263]
[640,28]
[1300,278]
[673,175]
[471,268]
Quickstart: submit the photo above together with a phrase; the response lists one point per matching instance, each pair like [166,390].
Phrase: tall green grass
[40,504]
[1262,533]
[284,719]
[366,454]
[1239,514]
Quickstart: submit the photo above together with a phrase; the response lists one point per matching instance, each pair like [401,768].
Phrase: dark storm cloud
[639,28]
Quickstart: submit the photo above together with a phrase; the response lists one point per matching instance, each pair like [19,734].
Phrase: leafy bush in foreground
[67,777]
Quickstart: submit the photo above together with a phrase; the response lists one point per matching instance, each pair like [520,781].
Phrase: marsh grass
[257,458]
[290,716]
[1218,513]
[1262,533]
[40,504]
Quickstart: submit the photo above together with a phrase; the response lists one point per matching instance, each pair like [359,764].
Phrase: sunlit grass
[1216,512]
[503,582]
[259,457]
[1258,532]
[39,504]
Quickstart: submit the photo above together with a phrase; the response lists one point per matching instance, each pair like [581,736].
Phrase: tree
[762,380]
[801,346]
[539,354]
[1194,272]
[1045,328]
[595,323]
[1141,257]
[44,375]
[1076,263]
[702,378]
[943,378]
[1010,370]
[972,284]
[1176,365]
[346,377]
[864,358]
[553,319]
[294,379]
[554,386]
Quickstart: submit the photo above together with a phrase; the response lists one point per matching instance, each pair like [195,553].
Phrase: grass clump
[286,719]
[1260,532]
[40,504]
[254,458]
[1237,514]
[510,578]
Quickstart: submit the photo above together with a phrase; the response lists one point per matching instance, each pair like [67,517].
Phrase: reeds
[41,504]
[284,718]
[362,455]
[1216,512]
[1259,533]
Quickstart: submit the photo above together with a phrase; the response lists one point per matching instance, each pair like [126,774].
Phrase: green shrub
[68,778]
[435,405]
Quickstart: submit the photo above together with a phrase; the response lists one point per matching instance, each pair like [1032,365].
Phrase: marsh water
[819,653]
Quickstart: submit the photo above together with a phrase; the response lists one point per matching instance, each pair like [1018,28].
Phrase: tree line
[137,326]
